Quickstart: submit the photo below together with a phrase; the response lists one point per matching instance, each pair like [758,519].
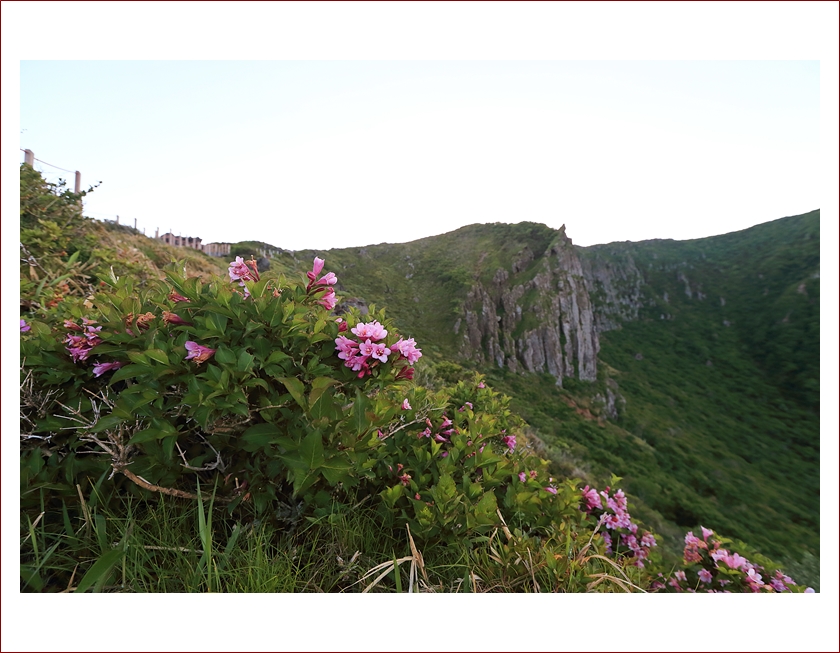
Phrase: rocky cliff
[536,316]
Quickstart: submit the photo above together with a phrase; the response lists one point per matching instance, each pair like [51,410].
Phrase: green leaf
[128,372]
[295,388]
[392,495]
[262,435]
[138,357]
[153,433]
[360,421]
[335,470]
[277,356]
[245,361]
[159,355]
[217,322]
[303,480]
[319,385]
[107,422]
[312,450]
[225,356]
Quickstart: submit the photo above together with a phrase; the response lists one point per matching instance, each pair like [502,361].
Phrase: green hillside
[721,423]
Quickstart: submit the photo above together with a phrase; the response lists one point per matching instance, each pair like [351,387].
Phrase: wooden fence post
[29,158]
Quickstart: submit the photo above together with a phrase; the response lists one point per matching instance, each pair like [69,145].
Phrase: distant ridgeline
[700,357]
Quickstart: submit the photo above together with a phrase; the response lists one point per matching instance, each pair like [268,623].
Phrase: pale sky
[310,154]
[319,125]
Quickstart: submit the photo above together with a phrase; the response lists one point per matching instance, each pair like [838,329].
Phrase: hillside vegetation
[719,373]
[154,379]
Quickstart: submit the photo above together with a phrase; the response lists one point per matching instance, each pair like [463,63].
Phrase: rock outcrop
[614,284]
[535,317]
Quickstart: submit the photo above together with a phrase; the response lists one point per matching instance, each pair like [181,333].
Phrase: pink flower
[405,478]
[706,532]
[718,554]
[690,539]
[370,331]
[380,352]
[590,496]
[100,368]
[444,454]
[809,590]
[408,349]
[551,489]
[481,384]
[734,561]
[197,352]
[648,540]
[24,326]
[174,319]
[72,326]
[80,346]
[380,434]
[533,474]
[175,297]
[317,266]
[522,477]
[406,405]
[328,301]
[679,575]
[375,350]
[753,576]
[347,348]
[705,576]
[239,271]
[328,279]
[510,442]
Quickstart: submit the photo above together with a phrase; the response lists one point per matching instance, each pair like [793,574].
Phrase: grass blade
[101,570]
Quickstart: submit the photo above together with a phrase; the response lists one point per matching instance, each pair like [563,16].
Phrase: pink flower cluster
[24,327]
[444,430]
[712,557]
[614,517]
[325,283]
[242,271]
[591,499]
[369,349]
[84,338]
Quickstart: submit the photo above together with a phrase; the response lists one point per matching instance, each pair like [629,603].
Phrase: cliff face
[614,284]
[535,317]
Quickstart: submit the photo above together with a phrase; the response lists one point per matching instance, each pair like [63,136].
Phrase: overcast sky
[305,154]
[319,125]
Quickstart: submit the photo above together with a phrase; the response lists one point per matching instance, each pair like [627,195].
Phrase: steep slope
[703,356]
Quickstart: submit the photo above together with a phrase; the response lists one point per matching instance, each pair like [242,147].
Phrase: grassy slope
[422,283]
[732,411]
[732,445]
